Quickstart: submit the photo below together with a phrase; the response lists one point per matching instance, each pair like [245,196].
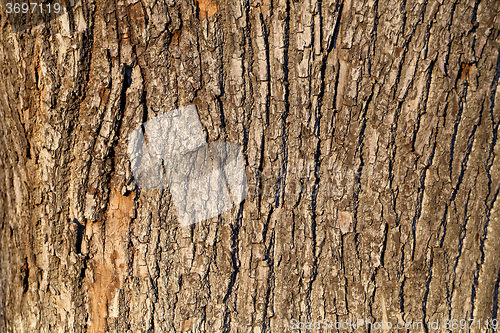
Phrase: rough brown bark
[370,134]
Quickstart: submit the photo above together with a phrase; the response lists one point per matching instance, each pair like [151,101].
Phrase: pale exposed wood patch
[187,325]
[100,295]
[109,265]
[467,71]
[344,221]
[207,8]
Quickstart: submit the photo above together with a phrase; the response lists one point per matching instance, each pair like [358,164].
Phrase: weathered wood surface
[370,134]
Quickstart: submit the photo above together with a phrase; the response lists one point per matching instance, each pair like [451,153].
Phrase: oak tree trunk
[370,137]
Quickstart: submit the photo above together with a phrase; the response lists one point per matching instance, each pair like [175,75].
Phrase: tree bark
[369,131]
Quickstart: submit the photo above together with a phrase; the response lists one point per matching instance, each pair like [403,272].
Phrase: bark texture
[370,136]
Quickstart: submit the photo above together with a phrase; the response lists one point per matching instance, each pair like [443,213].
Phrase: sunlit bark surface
[369,131]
